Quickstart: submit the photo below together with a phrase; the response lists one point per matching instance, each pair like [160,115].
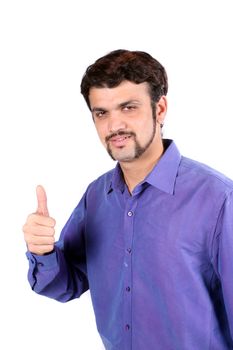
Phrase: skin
[127,109]
[39,229]
[131,134]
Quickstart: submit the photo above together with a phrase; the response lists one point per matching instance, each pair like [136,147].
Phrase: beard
[136,151]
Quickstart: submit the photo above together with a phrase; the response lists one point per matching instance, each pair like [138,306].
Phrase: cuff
[42,262]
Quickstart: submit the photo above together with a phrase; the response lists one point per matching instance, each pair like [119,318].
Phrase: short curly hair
[119,65]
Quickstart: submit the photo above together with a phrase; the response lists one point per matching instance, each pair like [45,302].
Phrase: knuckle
[28,239]
[30,218]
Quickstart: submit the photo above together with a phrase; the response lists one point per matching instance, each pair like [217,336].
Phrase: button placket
[131,204]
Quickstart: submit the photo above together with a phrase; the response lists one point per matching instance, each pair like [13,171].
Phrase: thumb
[42,201]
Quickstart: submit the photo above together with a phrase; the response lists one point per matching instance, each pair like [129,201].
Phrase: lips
[119,140]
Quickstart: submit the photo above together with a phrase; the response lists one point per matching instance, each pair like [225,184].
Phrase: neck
[136,171]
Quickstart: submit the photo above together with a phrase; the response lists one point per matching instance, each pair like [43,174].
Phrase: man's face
[124,120]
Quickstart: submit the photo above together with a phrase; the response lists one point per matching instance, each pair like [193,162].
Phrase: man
[151,239]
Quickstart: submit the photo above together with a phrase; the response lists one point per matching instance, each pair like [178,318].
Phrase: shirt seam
[214,233]
[207,172]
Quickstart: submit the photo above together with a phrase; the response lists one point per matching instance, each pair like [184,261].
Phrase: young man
[151,239]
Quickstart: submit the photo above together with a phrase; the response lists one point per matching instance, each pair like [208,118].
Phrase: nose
[116,122]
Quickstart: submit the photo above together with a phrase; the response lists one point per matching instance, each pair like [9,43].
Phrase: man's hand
[39,228]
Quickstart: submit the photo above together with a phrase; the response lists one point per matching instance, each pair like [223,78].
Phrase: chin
[126,159]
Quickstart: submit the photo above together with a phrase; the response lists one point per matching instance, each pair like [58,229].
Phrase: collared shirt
[158,263]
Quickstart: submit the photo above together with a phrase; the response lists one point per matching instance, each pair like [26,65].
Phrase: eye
[129,108]
[99,114]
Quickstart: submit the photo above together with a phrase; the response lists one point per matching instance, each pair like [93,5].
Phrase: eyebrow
[129,102]
[123,104]
[98,109]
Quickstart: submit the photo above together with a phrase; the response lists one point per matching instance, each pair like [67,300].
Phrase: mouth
[119,141]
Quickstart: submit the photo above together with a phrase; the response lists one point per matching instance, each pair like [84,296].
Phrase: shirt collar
[162,176]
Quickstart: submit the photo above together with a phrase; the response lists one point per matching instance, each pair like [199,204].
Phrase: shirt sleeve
[62,274]
[225,256]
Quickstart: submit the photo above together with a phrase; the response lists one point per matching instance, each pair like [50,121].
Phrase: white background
[47,135]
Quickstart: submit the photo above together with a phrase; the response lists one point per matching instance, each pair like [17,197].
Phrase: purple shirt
[158,263]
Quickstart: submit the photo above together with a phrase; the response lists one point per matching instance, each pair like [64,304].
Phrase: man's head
[125,91]
[120,65]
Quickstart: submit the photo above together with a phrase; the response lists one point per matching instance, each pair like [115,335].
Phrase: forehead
[126,91]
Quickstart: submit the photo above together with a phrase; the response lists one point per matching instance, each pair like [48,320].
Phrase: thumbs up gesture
[39,228]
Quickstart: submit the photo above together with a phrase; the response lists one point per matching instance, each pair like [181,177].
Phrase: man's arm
[224,256]
[52,271]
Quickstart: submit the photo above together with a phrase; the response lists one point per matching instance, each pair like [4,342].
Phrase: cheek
[101,132]
[145,128]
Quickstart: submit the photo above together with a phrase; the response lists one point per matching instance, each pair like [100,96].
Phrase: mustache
[119,133]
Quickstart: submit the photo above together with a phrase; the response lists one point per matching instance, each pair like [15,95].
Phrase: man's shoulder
[102,182]
[199,171]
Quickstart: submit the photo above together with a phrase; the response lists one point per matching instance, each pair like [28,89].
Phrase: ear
[161,110]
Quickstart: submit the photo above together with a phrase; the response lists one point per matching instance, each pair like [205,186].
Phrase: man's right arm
[50,272]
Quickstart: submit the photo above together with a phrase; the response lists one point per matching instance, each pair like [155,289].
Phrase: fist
[39,229]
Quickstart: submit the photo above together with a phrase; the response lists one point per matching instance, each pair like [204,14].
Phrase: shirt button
[127,289]
[130,213]
[127,327]
[129,250]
